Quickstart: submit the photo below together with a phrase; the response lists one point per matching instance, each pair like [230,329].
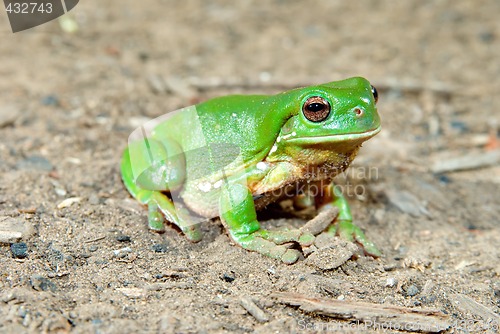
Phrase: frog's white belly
[284,180]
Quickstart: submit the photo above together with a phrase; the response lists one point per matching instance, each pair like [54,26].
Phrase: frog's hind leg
[343,226]
[160,206]
[238,214]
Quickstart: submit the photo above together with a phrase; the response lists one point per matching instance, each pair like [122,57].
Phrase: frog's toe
[192,232]
[291,256]
[155,222]
[280,237]
[368,246]
[268,248]
[350,232]
[278,252]
[306,239]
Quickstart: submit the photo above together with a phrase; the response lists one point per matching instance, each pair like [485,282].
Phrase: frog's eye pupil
[375,94]
[316,109]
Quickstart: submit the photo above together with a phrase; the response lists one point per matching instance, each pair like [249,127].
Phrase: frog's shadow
[277,215]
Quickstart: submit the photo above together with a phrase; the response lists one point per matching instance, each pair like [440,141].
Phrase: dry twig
[389,316]
[253,309]
[469,161]
[467,304]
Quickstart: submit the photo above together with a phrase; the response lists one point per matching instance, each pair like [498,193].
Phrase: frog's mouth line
[336,138]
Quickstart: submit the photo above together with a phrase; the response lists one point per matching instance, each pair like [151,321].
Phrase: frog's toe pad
[370,249]
[306,239]
[291,256]
[156,226]
[155,221]
[192,233]
[350,232]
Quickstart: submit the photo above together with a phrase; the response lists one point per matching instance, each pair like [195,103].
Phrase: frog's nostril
[359,112]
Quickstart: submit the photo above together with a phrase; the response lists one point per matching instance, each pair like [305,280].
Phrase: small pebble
[391,282]
[50,100]
[444,179]
[459,125]
[143,56]
[428,299]
[60,192]
[93,248]
[13,230]
[123,238]
[35,162]
[120,253]
[8,115]
[228,278]
[159,248]
[10,236]
[41,283]
[487,36]
[68,202]
[133,293]
[94,199]
[330,255]
[412,290]
[19,250]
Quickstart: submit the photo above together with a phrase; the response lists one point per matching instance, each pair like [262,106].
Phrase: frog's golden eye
[316,109]
[375,94]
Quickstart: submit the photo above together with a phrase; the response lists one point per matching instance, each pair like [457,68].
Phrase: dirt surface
[68,102]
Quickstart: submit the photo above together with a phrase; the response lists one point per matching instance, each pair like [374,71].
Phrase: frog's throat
[335,138]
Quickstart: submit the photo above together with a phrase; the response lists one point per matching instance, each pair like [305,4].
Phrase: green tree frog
[230,156]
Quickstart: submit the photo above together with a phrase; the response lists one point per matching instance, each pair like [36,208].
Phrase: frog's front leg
[161,173]
[237,211]
[343,226]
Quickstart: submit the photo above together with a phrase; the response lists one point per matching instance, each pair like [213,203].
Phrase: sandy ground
[68,102]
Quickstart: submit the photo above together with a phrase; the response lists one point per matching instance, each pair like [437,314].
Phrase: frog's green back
[252,122]
[229,132]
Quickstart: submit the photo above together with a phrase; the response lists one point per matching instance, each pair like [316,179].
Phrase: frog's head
[336,116]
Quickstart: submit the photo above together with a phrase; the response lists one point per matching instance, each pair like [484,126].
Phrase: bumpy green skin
[270,149]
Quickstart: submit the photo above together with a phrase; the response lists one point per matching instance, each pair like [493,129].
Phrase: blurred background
[72,90]
[116,62]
